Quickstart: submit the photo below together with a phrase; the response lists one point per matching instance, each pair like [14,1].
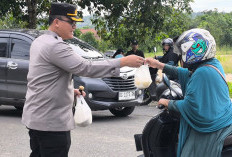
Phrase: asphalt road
[108,136]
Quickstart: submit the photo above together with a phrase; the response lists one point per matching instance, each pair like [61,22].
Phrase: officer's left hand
[78,93]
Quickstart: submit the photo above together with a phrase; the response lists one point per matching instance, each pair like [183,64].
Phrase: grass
[151,55]
[226,61]
[230,88]
[225,50]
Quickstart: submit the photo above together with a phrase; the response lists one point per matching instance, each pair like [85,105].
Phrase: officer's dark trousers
[49,144]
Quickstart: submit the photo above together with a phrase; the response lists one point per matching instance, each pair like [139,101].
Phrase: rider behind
[169,56]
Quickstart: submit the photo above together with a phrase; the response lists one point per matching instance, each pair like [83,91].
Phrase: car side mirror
[166,81]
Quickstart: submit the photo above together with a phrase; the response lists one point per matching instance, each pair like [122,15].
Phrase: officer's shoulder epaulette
[58,38]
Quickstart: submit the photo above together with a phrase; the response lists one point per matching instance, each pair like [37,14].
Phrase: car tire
[122,111]
[20,108]
[146,98]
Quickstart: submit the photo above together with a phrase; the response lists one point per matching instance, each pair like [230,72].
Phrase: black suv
[117,94]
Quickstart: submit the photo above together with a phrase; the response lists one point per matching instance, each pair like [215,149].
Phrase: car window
[84,49]
[80,43]
[20,49]
[3,47]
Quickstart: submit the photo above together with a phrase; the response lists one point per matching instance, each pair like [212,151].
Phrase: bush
[9,22]
[77,33]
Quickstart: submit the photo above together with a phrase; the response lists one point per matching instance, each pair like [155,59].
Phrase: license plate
[129,95]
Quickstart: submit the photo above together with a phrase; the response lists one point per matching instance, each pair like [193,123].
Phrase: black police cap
[65,9]
[134,42]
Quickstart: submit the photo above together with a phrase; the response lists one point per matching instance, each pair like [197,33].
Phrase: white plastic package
[83,114]
[143,77]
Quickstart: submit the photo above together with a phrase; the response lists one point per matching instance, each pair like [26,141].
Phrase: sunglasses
[71,22]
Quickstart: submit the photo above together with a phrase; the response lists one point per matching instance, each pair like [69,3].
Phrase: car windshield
[84,49]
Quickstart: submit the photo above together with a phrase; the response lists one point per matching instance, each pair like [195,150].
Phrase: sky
[221,5]
[202,5]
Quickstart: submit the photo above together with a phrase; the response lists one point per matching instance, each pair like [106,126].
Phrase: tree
[149,13]
[12,7]
[31,11]
[90,39]
[141,13]
[218,24]
[122,20]
[176,23]
[125,20]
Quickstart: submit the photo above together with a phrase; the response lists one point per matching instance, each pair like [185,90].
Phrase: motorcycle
[160,135]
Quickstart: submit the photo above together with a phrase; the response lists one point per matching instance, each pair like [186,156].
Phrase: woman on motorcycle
[206,110]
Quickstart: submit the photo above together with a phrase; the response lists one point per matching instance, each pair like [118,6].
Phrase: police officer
[47,111]
[135,51]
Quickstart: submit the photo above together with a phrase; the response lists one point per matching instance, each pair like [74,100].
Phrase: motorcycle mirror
[166,80]
[155,49]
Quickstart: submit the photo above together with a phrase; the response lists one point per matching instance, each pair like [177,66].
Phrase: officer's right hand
[132,61]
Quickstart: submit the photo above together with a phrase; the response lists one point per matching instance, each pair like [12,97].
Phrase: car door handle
[12,65]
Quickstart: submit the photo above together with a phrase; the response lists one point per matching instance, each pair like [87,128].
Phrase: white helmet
[195,45]
[167,41]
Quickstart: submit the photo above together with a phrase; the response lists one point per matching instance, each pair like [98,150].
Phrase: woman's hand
[164,102]
[154,63]
[78,93]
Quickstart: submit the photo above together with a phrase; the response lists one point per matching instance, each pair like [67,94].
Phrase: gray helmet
[195,45]
[167,41]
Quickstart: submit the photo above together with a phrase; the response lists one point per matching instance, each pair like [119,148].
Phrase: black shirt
[169,57]
[138,53]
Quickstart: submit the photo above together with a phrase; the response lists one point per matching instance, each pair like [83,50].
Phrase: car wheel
[146,98]
[20,108]
[122,111]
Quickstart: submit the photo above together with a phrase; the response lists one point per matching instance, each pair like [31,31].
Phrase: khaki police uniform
[50,93]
